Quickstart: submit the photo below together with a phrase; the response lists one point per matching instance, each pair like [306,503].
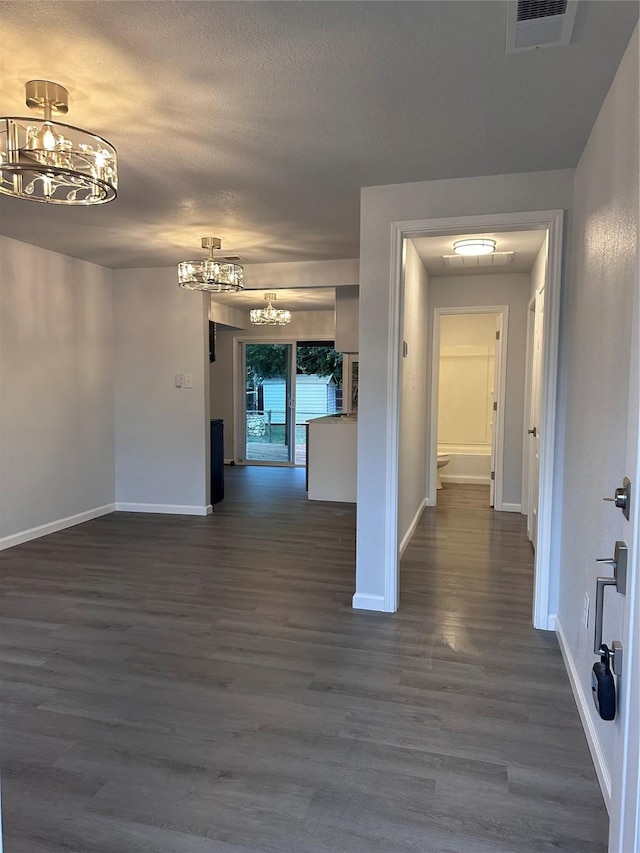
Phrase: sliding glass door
[283,386]
[269,403]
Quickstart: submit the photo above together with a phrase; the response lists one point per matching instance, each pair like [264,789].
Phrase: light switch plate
[188,380]
[178,380]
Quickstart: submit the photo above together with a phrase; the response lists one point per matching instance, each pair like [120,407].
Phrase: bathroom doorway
[468,395]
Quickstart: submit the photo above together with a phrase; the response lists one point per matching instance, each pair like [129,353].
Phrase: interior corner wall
[510,289]
[305,325]
[56,391]
[162,431]
[413,407]
[380,207]
[596,353]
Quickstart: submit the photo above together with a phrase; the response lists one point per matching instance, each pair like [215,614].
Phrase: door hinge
[498,336]
[493,475]
[495,406]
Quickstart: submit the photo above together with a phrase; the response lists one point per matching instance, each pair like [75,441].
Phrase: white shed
[315,397]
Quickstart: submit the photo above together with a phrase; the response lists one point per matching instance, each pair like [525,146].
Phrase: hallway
[201,685]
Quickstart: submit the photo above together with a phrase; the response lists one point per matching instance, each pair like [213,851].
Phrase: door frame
[528,391]
[503,313]
[239,408]
[544,616]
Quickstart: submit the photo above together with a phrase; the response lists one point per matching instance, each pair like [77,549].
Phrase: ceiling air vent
[496,259]
[539,23]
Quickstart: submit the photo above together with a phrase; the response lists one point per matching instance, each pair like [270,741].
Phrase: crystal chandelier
[210,274]
[270,316]
[44,160]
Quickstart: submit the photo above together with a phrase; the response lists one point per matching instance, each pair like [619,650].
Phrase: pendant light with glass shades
[270,316]
[212,275]
[47,161]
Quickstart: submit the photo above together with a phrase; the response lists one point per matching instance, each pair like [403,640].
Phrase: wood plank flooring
[201,685]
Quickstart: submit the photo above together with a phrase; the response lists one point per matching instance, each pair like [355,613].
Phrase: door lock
[622,497]
[533,432]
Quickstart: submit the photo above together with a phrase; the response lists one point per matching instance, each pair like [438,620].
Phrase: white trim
[595,747]
[229,461]
[369,602]
[165,509]
[54,526]
[412,527]
[512,508]
[392,455]
[528,374]
[552,220]
[503,312]
[469,479]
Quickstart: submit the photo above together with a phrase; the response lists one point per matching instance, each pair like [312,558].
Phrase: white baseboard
[511,507]
[412,528]
[471,479]
[368,602]
[164,509]
[552,619]
[229,461]
[584,707]
[54,526]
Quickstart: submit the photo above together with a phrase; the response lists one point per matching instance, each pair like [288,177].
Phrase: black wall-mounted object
[212,341]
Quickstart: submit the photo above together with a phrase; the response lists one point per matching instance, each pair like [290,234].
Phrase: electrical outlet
[585,616]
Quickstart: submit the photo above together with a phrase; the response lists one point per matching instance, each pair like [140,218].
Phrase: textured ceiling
[259,121]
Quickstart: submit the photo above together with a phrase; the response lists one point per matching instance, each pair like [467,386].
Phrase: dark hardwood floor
[201,685]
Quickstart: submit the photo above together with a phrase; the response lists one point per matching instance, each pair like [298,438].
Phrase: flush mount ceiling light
[474,246]
[270,316]
[213,275]
[44,160]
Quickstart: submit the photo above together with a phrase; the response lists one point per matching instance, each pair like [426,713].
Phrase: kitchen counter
[332,458]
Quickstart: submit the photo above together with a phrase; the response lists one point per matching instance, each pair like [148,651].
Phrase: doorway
[468,399]
[385,595]
[280,387]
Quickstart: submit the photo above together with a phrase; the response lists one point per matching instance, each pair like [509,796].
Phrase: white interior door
[497,364]
[533,426]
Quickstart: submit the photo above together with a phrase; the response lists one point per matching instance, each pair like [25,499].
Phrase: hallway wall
[413,410]
[56,391]
[162,432]
[597,311]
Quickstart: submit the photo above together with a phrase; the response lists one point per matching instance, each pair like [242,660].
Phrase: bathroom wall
[466,393]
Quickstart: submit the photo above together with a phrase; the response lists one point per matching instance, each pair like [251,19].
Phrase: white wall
[161,431]
[56,391]
[596,328]
[305,325]
[510,289]
[380,207]
[413,408]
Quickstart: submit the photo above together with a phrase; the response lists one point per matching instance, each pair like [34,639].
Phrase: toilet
[443,459]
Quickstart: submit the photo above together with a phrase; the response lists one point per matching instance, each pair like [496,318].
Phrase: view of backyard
[318,392]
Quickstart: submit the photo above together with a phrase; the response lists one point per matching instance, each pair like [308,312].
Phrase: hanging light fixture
[44,160]
[270,316]
[214,275]
[474,246]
